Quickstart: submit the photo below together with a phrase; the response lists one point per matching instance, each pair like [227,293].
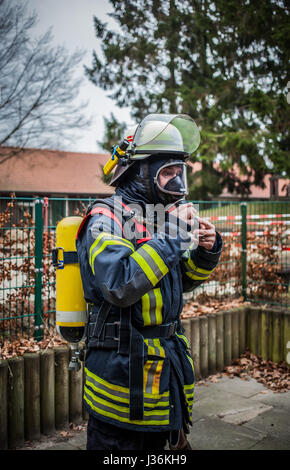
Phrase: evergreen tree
[114,132]
[223,62]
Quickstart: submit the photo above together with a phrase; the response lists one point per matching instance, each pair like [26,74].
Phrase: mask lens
[171,179]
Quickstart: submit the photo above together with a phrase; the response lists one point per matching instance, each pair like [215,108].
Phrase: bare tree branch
[38,84]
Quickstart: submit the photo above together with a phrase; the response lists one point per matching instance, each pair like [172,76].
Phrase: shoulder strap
[113,208]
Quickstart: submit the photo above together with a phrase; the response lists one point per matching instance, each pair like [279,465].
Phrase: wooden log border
[40,395]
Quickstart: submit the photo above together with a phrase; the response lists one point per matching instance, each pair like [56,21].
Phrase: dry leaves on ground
[274,376]
[20,346]
[195,309]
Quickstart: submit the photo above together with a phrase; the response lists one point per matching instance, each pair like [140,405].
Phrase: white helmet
[157,134]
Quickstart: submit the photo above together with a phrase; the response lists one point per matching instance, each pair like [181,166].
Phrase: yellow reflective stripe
[123,409]
[159,350]
[159,261]
[145,268]
[190,360]
[156,379]
[184,338]
[159,305]
[147,376]
[151,263]
[118,388]
[104,245]
[197,269]
[188,387]
[146,309]
[152,373]
[109,240]
[121,399]
[120,413]
[152,307]
[108,236]
[120,391]
[154,347]
[153,368]
[196,277]
[102,391]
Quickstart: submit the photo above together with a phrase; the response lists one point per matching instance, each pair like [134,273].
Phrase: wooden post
[242,330]
[203,346]
[195,346]
[186,323]
[270,322]
[286,339]
[220,361]
[255,346]
[47,392]
[15,402]
[277,353]
[32,396]
[212,344]
[3,404]
[235,333]
[61,387]
[75,396]
[228,338]
[85,413]
[265,333]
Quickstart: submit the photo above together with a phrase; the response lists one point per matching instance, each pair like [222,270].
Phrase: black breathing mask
[171,180]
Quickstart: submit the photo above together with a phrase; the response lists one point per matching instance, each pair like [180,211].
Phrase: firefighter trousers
[104,436]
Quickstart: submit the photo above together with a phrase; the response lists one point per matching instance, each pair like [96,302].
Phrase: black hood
[138,186]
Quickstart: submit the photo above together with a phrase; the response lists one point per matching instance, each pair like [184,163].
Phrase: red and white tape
[258,233]
[265,222]
[249,216]
[275,247]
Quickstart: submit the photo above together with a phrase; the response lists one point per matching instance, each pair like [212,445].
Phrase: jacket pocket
[153,367]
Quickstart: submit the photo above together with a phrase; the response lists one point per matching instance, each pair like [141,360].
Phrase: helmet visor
[171,179]
[167,132]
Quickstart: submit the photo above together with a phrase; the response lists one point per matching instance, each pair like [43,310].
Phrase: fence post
[244,249]
[38,325]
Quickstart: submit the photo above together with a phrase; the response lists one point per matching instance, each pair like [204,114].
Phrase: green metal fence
[254,264]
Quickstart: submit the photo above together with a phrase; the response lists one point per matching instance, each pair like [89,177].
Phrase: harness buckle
[172,329]
[117,330]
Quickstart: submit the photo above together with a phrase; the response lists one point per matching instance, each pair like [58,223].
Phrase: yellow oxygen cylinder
[71,308]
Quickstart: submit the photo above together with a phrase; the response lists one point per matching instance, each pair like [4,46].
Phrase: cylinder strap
[69,257]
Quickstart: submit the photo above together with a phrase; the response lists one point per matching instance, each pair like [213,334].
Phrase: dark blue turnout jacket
[139,372]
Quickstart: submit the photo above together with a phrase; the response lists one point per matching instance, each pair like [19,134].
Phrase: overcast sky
[72,26]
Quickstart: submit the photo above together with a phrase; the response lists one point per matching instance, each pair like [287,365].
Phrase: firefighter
[139,383]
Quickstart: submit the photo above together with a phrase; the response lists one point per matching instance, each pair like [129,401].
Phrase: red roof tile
[38,171]
[53,172]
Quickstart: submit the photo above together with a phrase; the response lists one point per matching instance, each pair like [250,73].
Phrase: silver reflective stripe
[100,387]
[71,316]
[155,351]
[196,273]
[152,307]
[107,237]
[151,263]
[121,413]
[150,377]
[114,392]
